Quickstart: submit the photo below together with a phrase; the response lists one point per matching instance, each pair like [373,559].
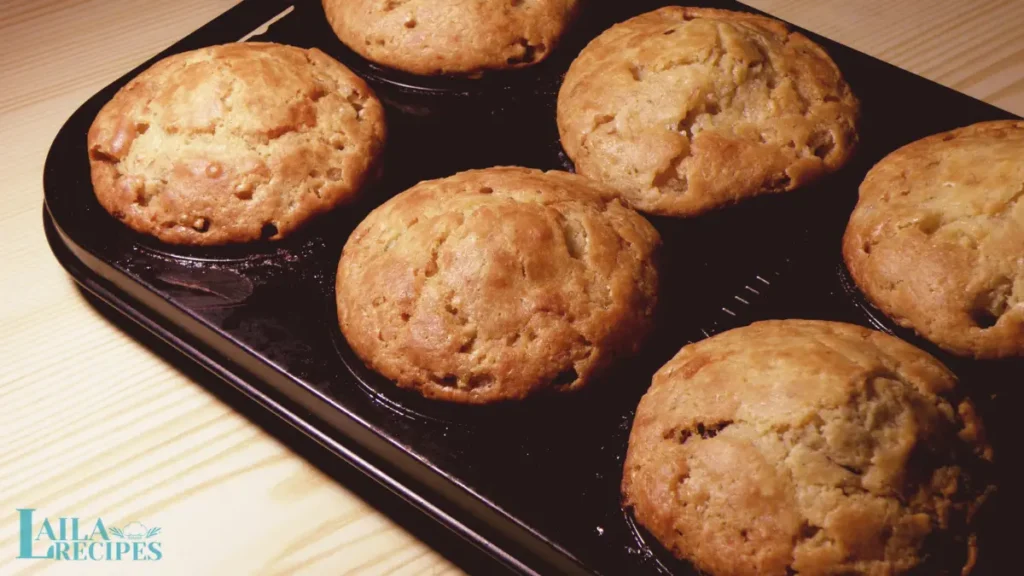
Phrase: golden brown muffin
[497,284]
[937,239]
[683,110]
[233,143]
[467,37]
[807,447]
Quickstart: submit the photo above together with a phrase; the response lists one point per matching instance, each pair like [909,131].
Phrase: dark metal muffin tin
[535,484]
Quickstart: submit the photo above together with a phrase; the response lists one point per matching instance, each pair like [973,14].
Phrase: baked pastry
[937,239]
[465,37]
[683,110]
[497,284]
[234,143]
[808,447]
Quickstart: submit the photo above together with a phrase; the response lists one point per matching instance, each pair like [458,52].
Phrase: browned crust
[683,110]
[497,284]
[233,143]
[431,37]
[937,239]
[807,447]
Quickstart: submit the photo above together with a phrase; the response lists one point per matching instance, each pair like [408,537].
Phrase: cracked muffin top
[497,284]
[234,143]
[937,239]
[465,37]
[683,110]
[808,447]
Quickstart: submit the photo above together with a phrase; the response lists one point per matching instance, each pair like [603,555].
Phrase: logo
[72,539]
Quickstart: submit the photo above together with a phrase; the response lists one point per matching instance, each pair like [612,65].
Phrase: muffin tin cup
[494,96]
[648,547]
[534,483]
[542,410]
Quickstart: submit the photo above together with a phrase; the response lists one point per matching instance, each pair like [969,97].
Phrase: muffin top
[465,37]
[807,447]
[937,238]
[496,284]
[234,143]
[683,110]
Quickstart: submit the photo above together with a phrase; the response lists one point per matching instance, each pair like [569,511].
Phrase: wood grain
[93,423]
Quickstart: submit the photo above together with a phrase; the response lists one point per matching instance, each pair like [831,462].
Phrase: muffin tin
[536,484]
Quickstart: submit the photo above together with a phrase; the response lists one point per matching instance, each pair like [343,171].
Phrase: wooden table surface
[94,423]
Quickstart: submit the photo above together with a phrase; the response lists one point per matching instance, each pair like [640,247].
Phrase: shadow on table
[457,550]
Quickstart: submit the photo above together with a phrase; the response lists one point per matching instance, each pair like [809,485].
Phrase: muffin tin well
[535,484]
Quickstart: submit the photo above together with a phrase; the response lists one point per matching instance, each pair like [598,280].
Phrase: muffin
[465,37]
[497,284]
[234,143]
[937,239]
[683,110]
[808,447]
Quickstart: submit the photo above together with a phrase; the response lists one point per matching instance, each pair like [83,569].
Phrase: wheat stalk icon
[134,531]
